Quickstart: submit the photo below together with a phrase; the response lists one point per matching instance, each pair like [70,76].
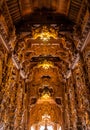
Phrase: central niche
[45,116]
[45,124]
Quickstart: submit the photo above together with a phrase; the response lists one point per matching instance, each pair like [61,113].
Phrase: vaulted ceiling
[70,8]
[46,40]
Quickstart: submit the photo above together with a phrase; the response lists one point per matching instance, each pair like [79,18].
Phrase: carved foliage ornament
[44,33]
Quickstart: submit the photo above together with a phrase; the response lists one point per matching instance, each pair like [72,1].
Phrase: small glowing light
[32,128]
[45,65]
[60,128]
[48,127]
[45,96]
[45,117]
[45,36]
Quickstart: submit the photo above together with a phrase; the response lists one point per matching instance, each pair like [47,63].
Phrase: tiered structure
[44,65]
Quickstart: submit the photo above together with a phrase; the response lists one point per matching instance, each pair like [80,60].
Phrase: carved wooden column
[6,103]
[18,111]
[85,60]
[1,65]
[86,94]
[66,110]
[3,72]
[82,101]
[24,107]
[86,63]
[72,105]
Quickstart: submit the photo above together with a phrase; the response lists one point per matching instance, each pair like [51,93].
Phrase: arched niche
[45,113]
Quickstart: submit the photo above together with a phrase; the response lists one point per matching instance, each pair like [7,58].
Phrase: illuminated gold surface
[45,108]
[21,103]
[45,96]
[44,33]
[45,65]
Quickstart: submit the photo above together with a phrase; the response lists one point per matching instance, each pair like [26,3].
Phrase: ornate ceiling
[44,64]
[19,9]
